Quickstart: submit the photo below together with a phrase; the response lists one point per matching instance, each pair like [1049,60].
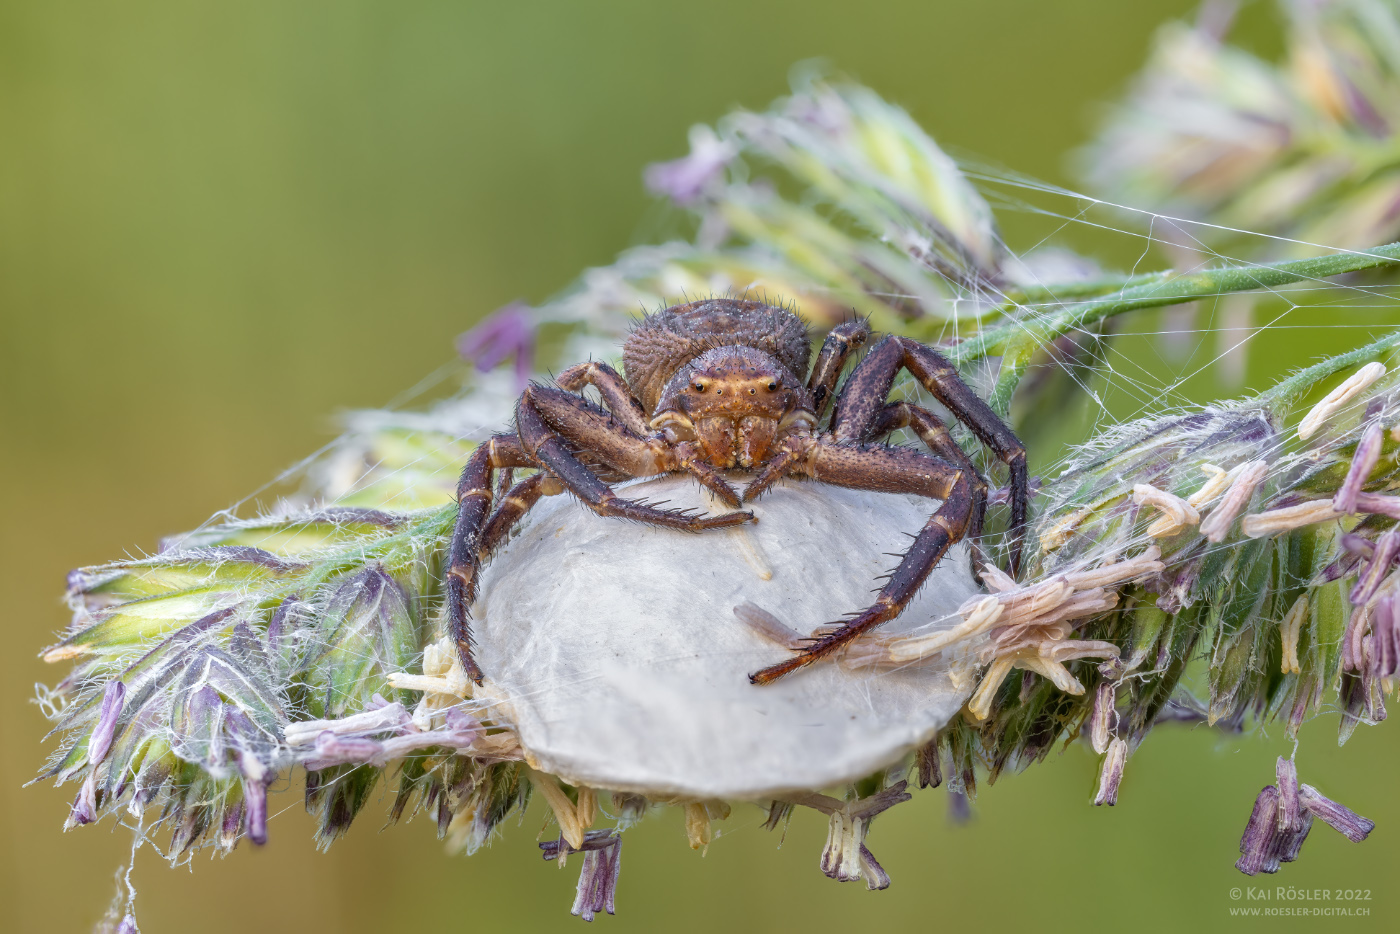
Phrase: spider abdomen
[663,343]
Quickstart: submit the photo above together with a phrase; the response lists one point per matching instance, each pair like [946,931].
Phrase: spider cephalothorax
[717,385]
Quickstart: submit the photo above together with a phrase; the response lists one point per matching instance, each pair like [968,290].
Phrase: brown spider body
[735,403]
[716,385]
[727,378]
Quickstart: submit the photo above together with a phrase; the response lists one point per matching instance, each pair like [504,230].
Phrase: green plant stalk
[1018,341]
[1017,296]
[1295,387]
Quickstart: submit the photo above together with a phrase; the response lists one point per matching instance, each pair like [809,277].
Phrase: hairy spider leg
[593,430]
[887,470]
[514,503]
[866,393]
[474,499]
[536,445]
[505,479]
[790,451]
[617,396]
[598,432]
[841,341]
[936,437]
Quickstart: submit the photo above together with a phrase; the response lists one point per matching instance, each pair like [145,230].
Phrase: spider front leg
[841,341]
[627,410]
[864,397]
[888,470]
[614,390]
[501,452]
[936,437]
[790,450]
[546,417]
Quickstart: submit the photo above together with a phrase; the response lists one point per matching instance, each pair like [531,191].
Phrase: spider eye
[772,386]
[699,387]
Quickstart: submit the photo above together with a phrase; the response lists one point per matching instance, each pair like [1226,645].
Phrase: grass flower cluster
[1248,548]
[1304,149]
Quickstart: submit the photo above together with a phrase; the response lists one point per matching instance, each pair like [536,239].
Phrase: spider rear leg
[614,446]
[889,470]
[474,499]
[864,397]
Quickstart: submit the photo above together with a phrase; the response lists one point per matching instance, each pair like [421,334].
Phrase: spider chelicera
[715,385]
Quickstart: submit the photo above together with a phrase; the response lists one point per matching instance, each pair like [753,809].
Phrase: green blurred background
[221,223]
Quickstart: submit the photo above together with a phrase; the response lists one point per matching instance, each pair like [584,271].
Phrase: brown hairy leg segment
[936,437]
[842,341]
[614,390]
[887,470]
[597,431]
[511,508]
[552,451]
[864,398]
[474,499]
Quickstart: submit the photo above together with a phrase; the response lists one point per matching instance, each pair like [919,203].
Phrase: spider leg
[591,431]
[864,396]
[688,458]
[596,431]
[841,341]
[776,467]
[473,503]
[890,470]
[935,436]
[513,505]
[505,480]
[617,396]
